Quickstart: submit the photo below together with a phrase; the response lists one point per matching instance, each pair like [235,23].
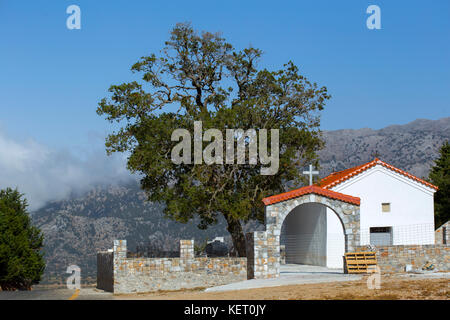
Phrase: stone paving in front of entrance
[291,274]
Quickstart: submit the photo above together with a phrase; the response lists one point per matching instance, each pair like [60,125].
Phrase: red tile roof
[308,190]
[338,177]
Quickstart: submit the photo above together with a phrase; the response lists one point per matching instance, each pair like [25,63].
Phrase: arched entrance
[263,247]
[312,234]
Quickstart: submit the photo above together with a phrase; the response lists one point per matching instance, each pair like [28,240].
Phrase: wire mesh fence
[413,234]
[320,248]
[149,250]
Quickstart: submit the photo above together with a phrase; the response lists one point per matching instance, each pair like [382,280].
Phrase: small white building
[396,208]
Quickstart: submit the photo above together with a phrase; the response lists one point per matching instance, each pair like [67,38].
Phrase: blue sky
[52,78]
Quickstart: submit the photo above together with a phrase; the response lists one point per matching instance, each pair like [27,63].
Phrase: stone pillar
[187,255]
[119,264]
[273,254]
[120,248]
[263,255]
[445,233]
[442,234]
[350,219]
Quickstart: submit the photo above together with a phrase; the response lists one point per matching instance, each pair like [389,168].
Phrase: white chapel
[396,208]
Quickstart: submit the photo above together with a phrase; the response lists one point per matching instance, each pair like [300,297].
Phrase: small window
[385,207]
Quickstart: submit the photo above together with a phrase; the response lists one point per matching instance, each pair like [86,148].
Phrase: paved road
[56,294]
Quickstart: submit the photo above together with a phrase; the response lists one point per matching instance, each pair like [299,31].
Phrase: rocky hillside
[77,228]
[411,147]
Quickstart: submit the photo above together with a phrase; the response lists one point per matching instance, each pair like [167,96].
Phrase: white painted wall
[412,207]
[335,240]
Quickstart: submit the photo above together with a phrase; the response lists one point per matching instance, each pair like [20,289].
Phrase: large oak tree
[201,77]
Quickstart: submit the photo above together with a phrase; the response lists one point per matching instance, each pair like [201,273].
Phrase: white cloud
[44,174]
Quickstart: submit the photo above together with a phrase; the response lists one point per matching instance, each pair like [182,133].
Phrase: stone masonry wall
[393,259]
[132,275]
[442,234]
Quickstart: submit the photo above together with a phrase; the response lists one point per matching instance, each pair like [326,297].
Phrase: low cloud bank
[44,174]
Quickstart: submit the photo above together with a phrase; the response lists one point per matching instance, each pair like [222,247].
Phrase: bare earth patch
[392,288]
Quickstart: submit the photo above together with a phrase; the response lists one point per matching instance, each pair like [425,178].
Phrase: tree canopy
[21,260]
[202,77]
[440,176]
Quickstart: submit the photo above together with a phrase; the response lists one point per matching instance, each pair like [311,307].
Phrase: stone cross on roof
[311,173]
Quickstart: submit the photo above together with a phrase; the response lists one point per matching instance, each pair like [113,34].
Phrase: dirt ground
[392,288]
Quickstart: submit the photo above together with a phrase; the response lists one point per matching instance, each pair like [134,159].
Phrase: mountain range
[76,228]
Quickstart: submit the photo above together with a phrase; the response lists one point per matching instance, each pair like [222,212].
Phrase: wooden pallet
[360,262]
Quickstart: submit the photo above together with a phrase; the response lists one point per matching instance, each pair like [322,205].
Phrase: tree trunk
[237,235]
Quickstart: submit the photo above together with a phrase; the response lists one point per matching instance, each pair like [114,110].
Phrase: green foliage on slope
[21,259]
